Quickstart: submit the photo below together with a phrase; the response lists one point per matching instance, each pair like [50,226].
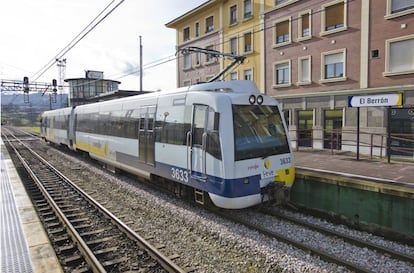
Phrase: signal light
[26,84]
[54,83]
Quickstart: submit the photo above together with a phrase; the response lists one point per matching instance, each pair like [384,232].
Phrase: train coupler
[275,193]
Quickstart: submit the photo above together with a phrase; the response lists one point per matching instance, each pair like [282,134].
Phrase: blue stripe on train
[224,187]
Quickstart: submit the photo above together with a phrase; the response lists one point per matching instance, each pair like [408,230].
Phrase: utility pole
[140,63]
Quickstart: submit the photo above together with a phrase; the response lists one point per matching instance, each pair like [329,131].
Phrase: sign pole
[358,128]
[389,134]
[394,99]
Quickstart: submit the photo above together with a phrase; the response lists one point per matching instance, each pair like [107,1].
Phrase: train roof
[235,86]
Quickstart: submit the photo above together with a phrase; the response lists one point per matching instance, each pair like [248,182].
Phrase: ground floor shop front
[326,121]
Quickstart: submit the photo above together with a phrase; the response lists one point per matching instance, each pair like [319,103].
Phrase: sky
[33,32]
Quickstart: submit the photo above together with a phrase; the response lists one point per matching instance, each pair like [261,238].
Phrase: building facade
[313,56]
[226,26]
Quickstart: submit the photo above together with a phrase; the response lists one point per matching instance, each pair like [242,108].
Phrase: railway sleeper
[77,214]
[68,248]
[92,232]
[56,231]
[99,241]
[59,240]
[49,219]
[64,205]
[79,220]
[53,225]
[111,263]
[68,210]
[105,251]
[72,260]
[81,226]
[41,203]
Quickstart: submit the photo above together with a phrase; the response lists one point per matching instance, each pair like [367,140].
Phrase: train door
[196,142]
[146,135]
[71,128]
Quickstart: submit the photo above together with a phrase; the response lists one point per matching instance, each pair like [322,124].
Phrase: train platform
[370,194]
[347,164]
[24,245]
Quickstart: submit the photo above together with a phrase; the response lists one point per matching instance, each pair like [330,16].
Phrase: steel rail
[92,261]
[280,237]
[345,237]
[164,261]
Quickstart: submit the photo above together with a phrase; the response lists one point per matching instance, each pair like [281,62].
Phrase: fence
[371,144]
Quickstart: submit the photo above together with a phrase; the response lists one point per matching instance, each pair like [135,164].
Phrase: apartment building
[319,53]
[313,56]
[232,27]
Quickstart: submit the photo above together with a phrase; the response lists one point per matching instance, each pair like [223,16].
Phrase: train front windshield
[258,131]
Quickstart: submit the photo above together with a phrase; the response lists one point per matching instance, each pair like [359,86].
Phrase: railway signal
[26,86]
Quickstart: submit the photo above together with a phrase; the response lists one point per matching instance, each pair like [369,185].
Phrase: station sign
[375,100]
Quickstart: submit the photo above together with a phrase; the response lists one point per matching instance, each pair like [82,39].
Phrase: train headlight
[259,99]
[252,99]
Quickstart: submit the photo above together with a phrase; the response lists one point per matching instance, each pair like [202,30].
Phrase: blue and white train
[222,140]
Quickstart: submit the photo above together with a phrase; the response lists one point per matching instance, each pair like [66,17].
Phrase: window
[258,131]
[187,83]
[399,56]
[233,45]
[234,76]
[247,9]
[282,73]
[401,5]
[304,71]
[333,66]
[333,17]
[197,58]
[197,29]
[233,15]
[282,3]
[304,26]
[187,61]
[209,24]
[248,43]
[186,34]
[209,57]
[282,32]
[248,74]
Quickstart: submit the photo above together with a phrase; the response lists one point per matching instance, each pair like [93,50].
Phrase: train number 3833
[179,174]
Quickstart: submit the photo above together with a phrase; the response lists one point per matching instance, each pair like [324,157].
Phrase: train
[223,142]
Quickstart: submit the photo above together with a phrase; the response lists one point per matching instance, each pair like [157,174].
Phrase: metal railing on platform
[370,144]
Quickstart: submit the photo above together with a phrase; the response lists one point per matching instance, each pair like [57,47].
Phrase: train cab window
[258,131]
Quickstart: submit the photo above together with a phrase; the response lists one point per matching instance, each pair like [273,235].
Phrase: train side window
[213,137]
[199,123]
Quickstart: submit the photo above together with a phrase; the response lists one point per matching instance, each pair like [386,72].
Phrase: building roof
[87,79]
[202,7]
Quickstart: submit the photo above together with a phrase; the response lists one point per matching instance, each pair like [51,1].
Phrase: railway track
[324,254]
[86,236]
[278,231]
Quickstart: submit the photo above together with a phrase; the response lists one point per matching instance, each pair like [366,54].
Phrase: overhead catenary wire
[91,26]
[239,34]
